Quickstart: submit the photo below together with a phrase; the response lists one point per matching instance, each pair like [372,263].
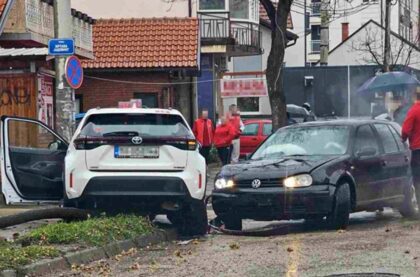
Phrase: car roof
[343,122]
[132,111]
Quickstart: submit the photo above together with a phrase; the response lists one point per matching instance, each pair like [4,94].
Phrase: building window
[249,104]
[212,5]
[316,38]
[316,8]
[239,9]
[148,100]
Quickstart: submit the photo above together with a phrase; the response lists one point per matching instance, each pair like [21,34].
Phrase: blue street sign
[74,72]
[61,47]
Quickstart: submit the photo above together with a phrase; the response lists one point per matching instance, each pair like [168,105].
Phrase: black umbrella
[390,81]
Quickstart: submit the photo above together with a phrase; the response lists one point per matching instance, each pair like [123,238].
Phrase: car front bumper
[273,203]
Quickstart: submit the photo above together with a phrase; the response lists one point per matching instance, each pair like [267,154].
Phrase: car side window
[401,145]
[365,138]
[387,139]
[267,129]
[251,129]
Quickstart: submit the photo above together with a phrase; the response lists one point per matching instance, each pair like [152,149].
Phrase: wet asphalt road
[382,242]
[374,242]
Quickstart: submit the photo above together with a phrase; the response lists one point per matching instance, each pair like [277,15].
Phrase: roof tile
[264,16]
[2,6]
[144,43]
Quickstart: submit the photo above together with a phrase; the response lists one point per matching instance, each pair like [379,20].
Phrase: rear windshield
[145,125]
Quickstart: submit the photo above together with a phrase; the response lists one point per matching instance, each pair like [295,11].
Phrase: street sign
[74,72]
[61,47]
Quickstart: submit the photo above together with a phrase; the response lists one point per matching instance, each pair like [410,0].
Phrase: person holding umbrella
[411,132]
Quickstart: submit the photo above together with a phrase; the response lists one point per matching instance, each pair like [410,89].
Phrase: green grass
[95,231]
[12,256]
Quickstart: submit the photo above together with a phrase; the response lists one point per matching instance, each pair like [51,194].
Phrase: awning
[16,52]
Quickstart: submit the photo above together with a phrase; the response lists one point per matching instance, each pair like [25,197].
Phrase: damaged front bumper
[274,203]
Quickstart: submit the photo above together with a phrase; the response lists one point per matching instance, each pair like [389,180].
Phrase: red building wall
[105,94]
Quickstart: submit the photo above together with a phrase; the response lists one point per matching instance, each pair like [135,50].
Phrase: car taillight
[192,144]
[89,143]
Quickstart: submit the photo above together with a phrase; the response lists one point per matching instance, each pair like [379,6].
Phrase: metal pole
[387,56]
[348,93]
[64,94]
[324,46]
[306,39]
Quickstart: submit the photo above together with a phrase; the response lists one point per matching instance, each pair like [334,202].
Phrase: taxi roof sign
[132,104]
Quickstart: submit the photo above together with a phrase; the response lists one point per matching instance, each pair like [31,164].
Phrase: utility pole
[325,40]
[387,50]
[64,94]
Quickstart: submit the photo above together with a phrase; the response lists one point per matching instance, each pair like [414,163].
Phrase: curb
[49,266]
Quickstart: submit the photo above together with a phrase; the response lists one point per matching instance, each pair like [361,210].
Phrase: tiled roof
[145,43]
[264,17]
[2,6]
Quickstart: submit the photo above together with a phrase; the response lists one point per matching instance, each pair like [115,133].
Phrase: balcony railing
[214,26]
[315,46]
[217,28]
[246,34]
[316,8]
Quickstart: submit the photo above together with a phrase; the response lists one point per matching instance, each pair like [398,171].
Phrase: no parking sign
[74,72]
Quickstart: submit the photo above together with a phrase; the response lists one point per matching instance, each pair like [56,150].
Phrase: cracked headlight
[223,183]
[298,181]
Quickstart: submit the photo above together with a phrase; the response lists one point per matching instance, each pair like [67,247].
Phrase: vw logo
[256,183]
[137,140]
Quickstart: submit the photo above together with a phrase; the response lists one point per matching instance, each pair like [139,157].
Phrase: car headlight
[223,183]
[298,181]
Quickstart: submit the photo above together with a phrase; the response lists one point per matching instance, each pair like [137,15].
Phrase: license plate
[136,152]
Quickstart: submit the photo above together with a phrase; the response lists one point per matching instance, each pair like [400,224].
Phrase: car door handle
[406,159]
[384,163]
[254,139]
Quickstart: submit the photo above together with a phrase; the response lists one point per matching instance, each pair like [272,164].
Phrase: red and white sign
[132,104]
[250,87]
[45,100]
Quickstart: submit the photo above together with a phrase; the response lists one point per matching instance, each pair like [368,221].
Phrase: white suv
[119,160]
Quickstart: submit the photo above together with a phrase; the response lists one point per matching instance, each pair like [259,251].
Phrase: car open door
[32,162]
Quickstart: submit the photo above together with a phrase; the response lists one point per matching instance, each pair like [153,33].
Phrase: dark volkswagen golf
[321,172]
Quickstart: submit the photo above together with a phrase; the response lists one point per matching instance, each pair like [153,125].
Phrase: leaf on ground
[289,249]
[135,266]
[341,231]
[178,254]
[407,252]
[234,246]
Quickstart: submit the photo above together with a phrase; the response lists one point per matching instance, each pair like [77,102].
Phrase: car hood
[275,168]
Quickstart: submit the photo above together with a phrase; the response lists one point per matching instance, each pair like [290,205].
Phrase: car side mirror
[366,152]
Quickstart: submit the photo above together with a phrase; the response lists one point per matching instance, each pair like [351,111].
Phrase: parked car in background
[119,160]
[319,170]
[257,130]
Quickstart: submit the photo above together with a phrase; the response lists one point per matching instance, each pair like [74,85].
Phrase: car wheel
[410,207]
[340,214]
[233,223]
[191,221]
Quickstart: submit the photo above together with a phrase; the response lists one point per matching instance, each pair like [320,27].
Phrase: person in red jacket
[411,131]
[238,125]
[204,132]
[223,136]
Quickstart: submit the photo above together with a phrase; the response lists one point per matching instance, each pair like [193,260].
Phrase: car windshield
[145,125]
[305,141]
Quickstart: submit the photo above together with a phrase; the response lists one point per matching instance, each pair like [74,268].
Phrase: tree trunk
[275,66]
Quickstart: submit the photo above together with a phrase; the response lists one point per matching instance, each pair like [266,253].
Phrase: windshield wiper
[121,133]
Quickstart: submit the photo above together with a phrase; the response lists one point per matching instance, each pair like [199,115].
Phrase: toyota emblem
[137,140]
[256,183]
